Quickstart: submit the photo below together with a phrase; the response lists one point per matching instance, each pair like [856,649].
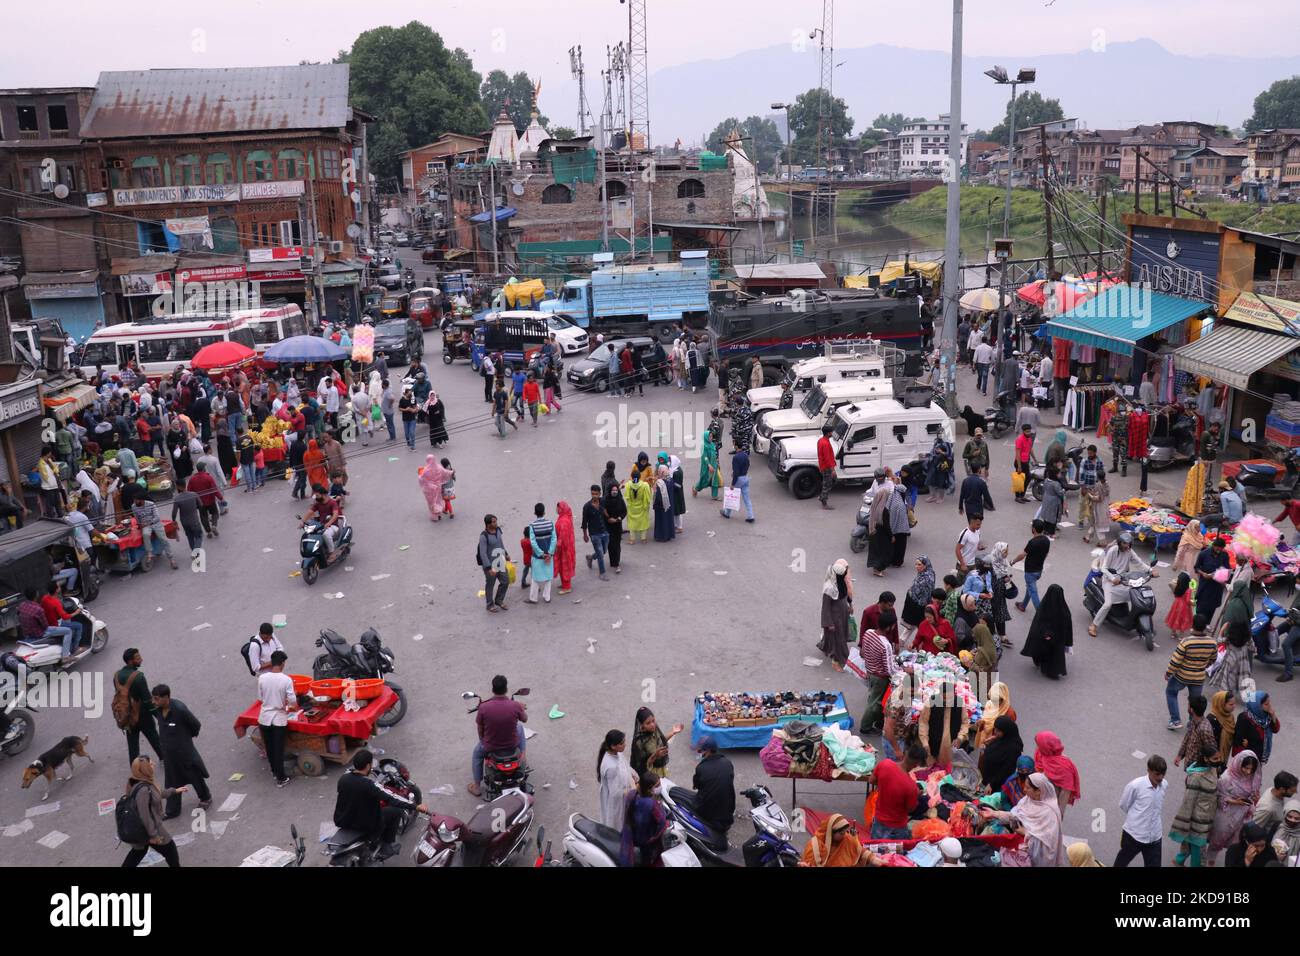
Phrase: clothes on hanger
[1139,424]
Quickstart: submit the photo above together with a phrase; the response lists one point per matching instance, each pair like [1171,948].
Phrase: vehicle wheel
[1036,489]
[26,724]
[99,640]
[312,765]
[395,713]
[1150,640]
[805,483]
[473,363]
[602,384]
[857,545]
[310,573]
[447,358]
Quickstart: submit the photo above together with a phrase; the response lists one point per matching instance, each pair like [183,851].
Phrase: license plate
[427,848]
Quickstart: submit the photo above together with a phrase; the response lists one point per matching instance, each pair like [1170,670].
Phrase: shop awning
[1122,315]
[502,213]
[66,401]
[1232,353]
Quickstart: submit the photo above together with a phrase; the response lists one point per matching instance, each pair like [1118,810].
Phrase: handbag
[1010,590]
[911,518]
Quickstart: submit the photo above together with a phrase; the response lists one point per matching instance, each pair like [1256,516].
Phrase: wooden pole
[1101,232]
[1137,182]
[1047,201]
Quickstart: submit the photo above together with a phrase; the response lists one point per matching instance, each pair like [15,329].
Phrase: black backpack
[130,828]
[478,557]
[244,653]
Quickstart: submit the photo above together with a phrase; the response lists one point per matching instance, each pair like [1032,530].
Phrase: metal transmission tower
[576,70]
[823,196]
[638,122]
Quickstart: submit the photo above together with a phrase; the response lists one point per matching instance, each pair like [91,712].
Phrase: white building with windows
[923,145]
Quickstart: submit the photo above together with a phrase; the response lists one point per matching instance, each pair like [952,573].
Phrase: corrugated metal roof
[238,99]
[1121,315]
[781,270]
[1231,354]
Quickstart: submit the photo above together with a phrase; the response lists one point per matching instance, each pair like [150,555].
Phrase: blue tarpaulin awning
[503,212]
[1122,315]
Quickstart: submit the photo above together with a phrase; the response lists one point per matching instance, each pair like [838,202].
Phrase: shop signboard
[276,275]
[1266,312]
[1176,262]
[146,283]
[275,254]
[156,195]
[19,405]
[62,290]
[275,189]
[212,274]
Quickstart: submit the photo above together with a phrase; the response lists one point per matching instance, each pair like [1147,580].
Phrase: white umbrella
[983,300]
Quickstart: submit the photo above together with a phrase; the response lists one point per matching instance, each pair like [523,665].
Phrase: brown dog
[47,763]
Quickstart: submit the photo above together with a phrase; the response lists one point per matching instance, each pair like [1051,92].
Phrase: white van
[866,436]
[158,347]
[817,406]
[839,362]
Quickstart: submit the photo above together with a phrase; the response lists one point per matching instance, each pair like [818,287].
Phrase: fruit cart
[120,549]
[326,730]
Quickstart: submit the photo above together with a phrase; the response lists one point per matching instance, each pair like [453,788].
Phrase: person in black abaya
[998,761]
[1051,632]
[436,413]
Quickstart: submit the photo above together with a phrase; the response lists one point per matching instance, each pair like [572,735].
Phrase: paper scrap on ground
[417,637]
[573,783]
[1162,564]
[295,574]
[392,459]
[555,713]
[279,620]
[106,807]
[231,803]
[711,533]
[577,600]
[812,662]
[200,627]
[403,547]
[267,550]
[19,828]
[183,839]
[482,594]
[1138,755]
[43,808]
[235,776]
[426,587]
[529,733]
[52,839]
[327,830]
[719,572]
[1065,524]
[379,577]
[387,606]
[152,858]
[348,567]
[591,645]
[158,609]
[617,624]
[443,790]
[217,828]
[546,786]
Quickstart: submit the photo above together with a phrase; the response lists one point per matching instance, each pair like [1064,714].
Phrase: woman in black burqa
[1050,634]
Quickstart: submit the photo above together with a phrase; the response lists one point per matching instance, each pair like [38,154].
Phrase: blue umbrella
[305,348]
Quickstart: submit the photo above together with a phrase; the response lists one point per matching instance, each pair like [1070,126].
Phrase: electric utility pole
[952,238]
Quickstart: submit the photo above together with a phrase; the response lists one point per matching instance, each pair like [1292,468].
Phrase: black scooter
[1001,417]
[1260,484]
[1038,474]
[315,556]
[1135,615]
[366,659]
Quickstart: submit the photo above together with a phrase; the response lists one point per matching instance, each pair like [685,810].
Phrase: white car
[571,338]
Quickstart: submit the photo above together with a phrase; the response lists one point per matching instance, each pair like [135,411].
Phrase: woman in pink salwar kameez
[432,478]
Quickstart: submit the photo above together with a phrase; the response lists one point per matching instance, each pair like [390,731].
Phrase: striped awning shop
[1232,353]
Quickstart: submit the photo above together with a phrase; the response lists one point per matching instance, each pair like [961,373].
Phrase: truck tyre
[805,483]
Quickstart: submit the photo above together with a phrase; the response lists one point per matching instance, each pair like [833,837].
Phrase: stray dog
[47,763]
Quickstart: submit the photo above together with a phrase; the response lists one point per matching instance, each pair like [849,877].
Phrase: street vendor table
[329,733]
[129,546]
[757,736]
[1162,540]
[1001,841]
[841,777]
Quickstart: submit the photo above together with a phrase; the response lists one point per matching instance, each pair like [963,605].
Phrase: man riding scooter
[500,721]
[361,805]
[327,511]
[1119,562]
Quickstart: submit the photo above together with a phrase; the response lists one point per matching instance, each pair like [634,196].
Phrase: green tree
[805,115]
[514,94]
[894,122]
[763,147]
[1278,107]
[562,132]
[416,87]
[1031,109]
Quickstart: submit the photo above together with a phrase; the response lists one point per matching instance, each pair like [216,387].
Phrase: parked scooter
[1038,474]
[1137,613]
[315,556]
[770,845]
[503,771]
[1176,448]
[19,726]
[589,843]
[1271,623]
[496,831]
[351,847]
[367,658]
[1000,417]
[860,533]
[46,653]
[1260,480]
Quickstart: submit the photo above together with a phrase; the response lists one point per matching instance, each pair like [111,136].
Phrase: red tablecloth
[350,723]
[1232,468]
[134,539]
[813,820]
[274,454]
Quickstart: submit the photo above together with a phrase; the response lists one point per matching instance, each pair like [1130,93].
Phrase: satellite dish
[517,188]
[355,195]
[354,231]
[61,191]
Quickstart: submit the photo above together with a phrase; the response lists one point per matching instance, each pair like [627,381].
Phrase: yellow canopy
[896,269]
[526,292]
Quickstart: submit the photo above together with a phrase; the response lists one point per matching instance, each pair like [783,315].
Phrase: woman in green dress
[710,476]
[637,495]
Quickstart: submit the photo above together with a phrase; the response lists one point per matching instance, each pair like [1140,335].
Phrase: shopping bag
[853,630]
[1018,482]
[376,414]
[510,571]
[730,499]
[542,409]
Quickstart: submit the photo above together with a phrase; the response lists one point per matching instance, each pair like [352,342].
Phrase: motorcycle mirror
[541,836]
[468,695]
[522,692]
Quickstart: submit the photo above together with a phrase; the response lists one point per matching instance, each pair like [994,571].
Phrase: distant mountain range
[1126,84]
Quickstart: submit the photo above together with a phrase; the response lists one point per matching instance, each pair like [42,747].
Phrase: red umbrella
[221,355]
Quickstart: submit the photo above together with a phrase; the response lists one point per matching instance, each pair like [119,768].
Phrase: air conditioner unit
[116,164]
[334,247]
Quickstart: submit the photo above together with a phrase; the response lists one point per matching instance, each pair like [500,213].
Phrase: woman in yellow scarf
[999,703]
[836,843]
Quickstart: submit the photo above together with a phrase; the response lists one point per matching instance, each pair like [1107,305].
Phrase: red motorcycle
[495,832]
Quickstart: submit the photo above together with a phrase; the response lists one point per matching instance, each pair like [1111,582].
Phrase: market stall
[1160,527]
[803,750]
[746,720]
[120,548]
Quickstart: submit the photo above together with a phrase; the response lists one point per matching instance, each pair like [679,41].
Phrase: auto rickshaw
[457,340]
[371,299]
[27,557]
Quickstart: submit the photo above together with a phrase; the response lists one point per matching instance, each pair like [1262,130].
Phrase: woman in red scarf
[314,462]
[565,550]
[1051,760]
[935,626]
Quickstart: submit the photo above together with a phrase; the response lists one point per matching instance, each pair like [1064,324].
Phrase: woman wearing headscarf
[1002,749]
[935,635]
[880,543]
[836,843]
[943,724]
[178,451]
[149,799]
[436,412]
[676,487]
[662,503]
[644,825]
[1080,854]
[1189,546]
[1001,580]
[984,659]
[616,778]
[1240,606]
[1038,817]
[1050,758]
[938,469]
[1195,815]
[432,477]
[1053,508]
[918,597]
[650,744]
[1237,663]
[1286,840]
[646,469]
[636,493]
[1238,792]
[1223,723]
[710,475]
[1050,633]
[837,604]
[566,552]
[900,526]
[314,462]
[1013,788]
[998,704]
[1055,456]
[1255,729]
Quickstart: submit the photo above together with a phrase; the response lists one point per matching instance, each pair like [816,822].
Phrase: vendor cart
[756,735]
[324,732]
[120,549]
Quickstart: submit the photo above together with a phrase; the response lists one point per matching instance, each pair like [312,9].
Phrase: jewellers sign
[158,195]
[287,189]
[20,406]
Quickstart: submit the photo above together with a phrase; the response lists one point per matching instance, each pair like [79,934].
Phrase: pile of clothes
[928,673]
[807,749]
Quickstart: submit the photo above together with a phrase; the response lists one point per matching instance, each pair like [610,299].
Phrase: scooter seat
[344,837]
[487,820]
[683,797]
[607,839]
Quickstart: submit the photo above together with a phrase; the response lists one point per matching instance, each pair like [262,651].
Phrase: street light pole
[952,238]
[998,74]
[789,178]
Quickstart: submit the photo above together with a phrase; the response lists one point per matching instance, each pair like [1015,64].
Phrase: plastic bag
[1018,482]
[510,571]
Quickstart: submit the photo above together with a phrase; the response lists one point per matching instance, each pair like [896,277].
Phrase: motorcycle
[352,847]
[311,546]
[769,847]
[861,532]
[494,834]
[46,653]
[1000,417]
[1176,448]
[1038,474]
[1268,627]
[1134,615]
[1261,480]
[367,658]
[503,771]
[589,843]
[21,723]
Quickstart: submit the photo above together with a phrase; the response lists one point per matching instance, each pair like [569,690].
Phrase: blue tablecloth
[734,738]
[1163,540]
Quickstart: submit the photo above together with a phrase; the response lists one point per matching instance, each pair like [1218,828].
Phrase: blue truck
[638,299]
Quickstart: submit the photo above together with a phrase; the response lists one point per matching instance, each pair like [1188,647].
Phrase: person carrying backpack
[139,815]
[132,705]
[257,650]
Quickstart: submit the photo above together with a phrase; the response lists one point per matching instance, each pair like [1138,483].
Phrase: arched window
[292,164]
[557,193]
[690,189]
[186,171]
[614,188]
[145,172]
[217,170]
[258,166]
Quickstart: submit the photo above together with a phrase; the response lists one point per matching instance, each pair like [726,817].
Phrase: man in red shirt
[826,463]
[1024,457]
[327,510]
[897,795]
[532,396]
[55,618]
[205,486]
[500,722]
[1290,509]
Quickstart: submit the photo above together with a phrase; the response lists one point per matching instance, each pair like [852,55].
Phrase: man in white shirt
[1143,803]
[331,398]
[983,359]
[262,647]
[489,372]
[968,544]
[275,692]
[973,340]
